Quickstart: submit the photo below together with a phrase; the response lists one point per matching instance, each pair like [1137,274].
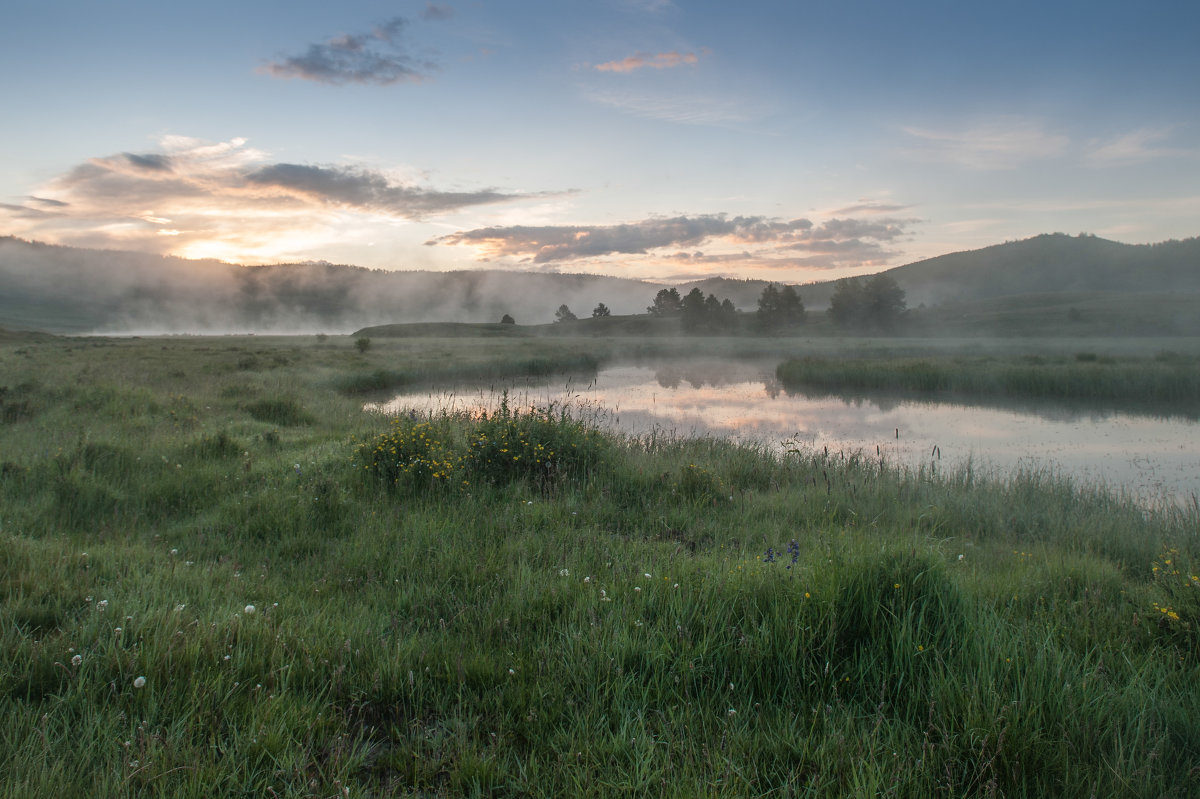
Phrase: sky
[665,140]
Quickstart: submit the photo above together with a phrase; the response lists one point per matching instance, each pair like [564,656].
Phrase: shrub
[282,411]
[414,454]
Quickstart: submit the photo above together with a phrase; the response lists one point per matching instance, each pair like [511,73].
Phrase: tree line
[875,303]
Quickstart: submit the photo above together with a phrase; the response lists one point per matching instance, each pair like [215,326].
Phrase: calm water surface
[1152,458]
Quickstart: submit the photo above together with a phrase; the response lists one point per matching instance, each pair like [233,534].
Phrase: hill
[70,290]
[1053,263]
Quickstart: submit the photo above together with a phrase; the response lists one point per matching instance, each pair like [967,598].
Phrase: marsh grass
[673,617]
[1169,381]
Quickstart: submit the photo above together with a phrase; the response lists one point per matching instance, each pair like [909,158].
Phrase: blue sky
[791,141]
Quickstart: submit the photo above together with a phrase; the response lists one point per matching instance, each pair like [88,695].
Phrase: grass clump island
[220,577]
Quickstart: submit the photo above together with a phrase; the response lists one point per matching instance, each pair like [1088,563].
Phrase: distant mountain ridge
[71,290]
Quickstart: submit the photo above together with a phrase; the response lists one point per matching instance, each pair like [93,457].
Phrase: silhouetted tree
[877,303]
[885,301]
[694,316]
[729,317]
[601,310]
[846,303]
[507,320]
[779,308]
[563,314]
[666,303]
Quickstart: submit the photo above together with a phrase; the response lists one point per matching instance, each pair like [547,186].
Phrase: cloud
[153,161]
[637,61]
[869,207]
[836,242]
[367,190]
[686,110]
[47,202]
[550,243]
[375,57]
[437,11]
[1135,147]
[224,199]
[994,145]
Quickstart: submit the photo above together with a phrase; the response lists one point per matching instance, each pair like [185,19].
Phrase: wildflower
[637,588]
[174,552]
[512,671]
[102,605]
[587,579]
[139,682]
[646,575]
[78,659]
[731,712]
[564,573]
[960,557]
[249,610]
[179,607]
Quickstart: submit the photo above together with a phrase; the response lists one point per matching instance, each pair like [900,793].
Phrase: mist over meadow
[72,290]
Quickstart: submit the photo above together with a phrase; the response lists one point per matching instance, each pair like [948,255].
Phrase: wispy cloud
[637,61]
[694,109]
[1003,143]
[378,56]
[1135,147]
[194,194]
[870,207]
[437,11]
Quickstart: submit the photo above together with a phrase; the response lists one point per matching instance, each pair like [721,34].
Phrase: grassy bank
[1167,380]
[219,577]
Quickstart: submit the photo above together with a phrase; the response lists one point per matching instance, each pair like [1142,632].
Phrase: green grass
[674,617]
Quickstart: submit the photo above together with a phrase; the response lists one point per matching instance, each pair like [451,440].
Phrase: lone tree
[507,320]
[601,310]
[779,308]
[877,303]
[563,314]
[666,303]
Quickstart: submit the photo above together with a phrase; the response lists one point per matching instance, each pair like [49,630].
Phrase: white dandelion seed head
[249,610]
[646,575]
[139,682]
[564,573]
[78,659]
[174,552]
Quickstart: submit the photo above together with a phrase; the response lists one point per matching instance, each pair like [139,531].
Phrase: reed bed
[1167,380]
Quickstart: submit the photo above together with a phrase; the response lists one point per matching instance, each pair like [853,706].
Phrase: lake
[1152,458]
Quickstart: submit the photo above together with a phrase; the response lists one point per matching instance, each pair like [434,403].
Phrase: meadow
[220,577]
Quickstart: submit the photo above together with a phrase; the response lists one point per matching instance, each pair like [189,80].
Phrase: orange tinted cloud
[642,60]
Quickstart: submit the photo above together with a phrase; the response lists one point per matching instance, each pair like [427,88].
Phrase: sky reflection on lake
[1148,456]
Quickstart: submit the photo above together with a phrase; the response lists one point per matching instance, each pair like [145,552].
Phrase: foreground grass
[313,614]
